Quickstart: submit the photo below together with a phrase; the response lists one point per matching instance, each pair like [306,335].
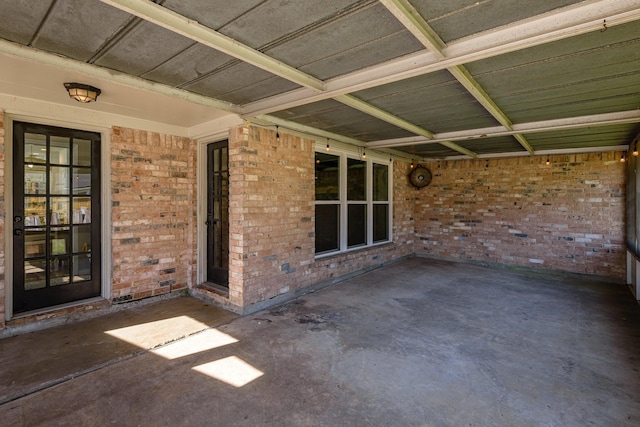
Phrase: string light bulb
[364,153]
[548,161]
[635,152]
[328,147]
[277,133]
[622,159]
[411,165]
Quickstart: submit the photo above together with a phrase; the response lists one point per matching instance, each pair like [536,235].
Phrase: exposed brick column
[271,213]
[153,180]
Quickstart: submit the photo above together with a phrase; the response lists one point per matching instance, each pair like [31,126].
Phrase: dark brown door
[56,216]
[218,213]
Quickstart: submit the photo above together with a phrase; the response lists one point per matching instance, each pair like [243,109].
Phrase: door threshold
[215,288]
[61,307]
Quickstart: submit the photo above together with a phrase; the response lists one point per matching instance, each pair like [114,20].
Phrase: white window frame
[344,152]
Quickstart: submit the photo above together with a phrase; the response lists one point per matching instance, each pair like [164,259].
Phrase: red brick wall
[568,215]
[2,218]
[272,219]
[153,181]
[271,213]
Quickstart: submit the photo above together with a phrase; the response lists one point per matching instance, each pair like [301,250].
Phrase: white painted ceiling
[430,78]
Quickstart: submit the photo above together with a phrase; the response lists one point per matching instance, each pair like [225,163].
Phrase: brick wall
[271,214]
[568,215]
[272,219]
[153,181]
[2,223]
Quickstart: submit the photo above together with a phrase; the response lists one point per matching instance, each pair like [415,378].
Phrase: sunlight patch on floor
[207,340]
[148,335]
[231,370]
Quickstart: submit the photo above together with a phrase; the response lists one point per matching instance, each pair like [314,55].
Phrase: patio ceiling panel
[73,28]
[434,101]
[597,136]
[365,37]
[143,48]
[20,20]
[552,81]
[238,82]
[456,19]
[430,151]
[372,70]
[336,117]
[495,145]
[194,63]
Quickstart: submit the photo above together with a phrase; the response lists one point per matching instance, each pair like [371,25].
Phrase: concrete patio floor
[417,343]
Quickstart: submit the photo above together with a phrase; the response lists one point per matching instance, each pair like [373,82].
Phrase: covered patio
[420,342]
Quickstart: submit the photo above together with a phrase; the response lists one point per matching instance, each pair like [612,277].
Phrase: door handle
[17,232]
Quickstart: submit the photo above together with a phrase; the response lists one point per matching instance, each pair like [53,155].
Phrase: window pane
[35,148]
[82,181]
[81,238]
[81,152]
[59,150]
[380,223]
[59,210]
[35,179]
[59,240]
[327,228]
[357,225]
[59,180]
[356,180]
[35,274]
[35,211]
[380,183]
[59,270]
[35,243]
[81,210]
[327,177]
[81,268]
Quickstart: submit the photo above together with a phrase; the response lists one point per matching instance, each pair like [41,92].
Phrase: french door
[56,216]
[218,213]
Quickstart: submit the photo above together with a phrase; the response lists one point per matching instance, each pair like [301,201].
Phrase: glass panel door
[56,224]
[218,213]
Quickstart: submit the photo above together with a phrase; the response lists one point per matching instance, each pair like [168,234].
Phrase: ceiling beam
[307,130]
[553,26]
[594,120]
[330,137]
[376,112]
[475,89]
[96,71]
[179,24]
[184,26]
[566,151]
[418,26]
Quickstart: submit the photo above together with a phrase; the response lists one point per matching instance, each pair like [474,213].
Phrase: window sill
[352,250]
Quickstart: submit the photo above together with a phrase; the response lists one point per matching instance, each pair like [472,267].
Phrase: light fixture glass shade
[81,92]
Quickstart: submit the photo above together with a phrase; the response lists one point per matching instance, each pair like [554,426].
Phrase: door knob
[17,232]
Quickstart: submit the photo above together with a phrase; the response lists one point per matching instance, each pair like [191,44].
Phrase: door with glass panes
[56,216]
[218,213]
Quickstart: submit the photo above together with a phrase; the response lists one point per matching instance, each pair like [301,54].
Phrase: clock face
[420,177]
